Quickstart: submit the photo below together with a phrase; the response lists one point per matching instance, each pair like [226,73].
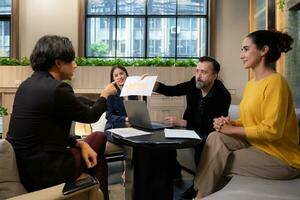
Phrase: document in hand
[128,132]
[134,85]
[181,133]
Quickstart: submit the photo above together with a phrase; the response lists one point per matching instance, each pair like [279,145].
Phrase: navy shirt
[116,113]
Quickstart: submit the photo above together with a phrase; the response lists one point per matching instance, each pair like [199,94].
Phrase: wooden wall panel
[12,76]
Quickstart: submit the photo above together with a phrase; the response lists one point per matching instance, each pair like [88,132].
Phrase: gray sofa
[247,188]
[251,188]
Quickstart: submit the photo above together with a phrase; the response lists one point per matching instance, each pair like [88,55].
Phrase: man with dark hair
[206,99]
[43,110]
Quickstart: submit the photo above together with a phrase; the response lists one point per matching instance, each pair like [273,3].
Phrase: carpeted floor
[115,187]
[117,190]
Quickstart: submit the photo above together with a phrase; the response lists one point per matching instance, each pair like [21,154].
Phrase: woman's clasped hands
[222,124]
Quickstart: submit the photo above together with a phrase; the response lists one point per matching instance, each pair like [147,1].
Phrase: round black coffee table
[149,164]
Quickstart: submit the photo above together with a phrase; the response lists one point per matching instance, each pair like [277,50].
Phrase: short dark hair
[215,64]
[114,68]
[277,42]
[50,48]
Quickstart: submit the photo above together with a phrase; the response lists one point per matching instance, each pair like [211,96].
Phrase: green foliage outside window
[3,53]
[99,49]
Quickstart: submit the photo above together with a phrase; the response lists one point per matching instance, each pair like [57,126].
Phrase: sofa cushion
[248,188]
[10,184]
[234,112]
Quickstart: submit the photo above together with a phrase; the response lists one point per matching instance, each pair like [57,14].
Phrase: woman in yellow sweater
[264,142]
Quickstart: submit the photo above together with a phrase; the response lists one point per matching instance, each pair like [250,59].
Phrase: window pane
[161,7]
[100,37]
[192,7]
[131,7]
[116,28]
[130,37]
[4,38]
[292,59]
[161,37]
[191,37]
[260,15]
[101,7]
[5,7]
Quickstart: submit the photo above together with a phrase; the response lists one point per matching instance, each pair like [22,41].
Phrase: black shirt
[43,111]
[200,111]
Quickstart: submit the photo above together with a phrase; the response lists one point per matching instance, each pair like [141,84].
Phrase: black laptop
[138,116]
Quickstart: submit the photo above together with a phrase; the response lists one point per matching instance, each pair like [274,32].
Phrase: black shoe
[177,179]
[176,175]
[189,193]
[176,171]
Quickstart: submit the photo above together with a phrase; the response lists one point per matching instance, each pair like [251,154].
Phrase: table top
[156,140]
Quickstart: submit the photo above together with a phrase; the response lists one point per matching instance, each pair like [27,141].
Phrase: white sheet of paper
[135,86]
[128,132]
[181,133]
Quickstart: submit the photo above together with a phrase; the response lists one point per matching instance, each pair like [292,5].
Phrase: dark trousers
[97,141]
[198,151]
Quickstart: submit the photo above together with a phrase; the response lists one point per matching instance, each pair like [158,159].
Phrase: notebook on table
[138,116]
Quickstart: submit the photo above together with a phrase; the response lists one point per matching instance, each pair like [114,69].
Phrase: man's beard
[200,85]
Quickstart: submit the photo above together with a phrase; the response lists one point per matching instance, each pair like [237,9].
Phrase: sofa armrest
[55,193]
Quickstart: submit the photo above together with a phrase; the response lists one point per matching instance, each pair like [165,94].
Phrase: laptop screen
[137,113]
[138,116]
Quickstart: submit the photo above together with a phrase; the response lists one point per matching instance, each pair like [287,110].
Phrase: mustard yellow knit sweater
[267,113]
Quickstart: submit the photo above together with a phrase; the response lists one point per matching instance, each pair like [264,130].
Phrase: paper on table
[181,133]
[135,86]
[128,132]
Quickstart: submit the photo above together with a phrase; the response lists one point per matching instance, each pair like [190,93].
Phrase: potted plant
[3,112]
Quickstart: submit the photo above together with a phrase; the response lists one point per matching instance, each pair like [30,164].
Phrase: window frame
[83,34]
[7,18]
[13,18]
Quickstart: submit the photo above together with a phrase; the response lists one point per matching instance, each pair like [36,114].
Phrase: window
[146,28]
[161,42]
[154,48]
[5,13]
[292,57]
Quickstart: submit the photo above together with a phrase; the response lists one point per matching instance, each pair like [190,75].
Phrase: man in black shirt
[206,99]
[43,110]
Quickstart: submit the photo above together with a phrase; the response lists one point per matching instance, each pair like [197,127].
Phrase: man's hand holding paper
[135,85]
